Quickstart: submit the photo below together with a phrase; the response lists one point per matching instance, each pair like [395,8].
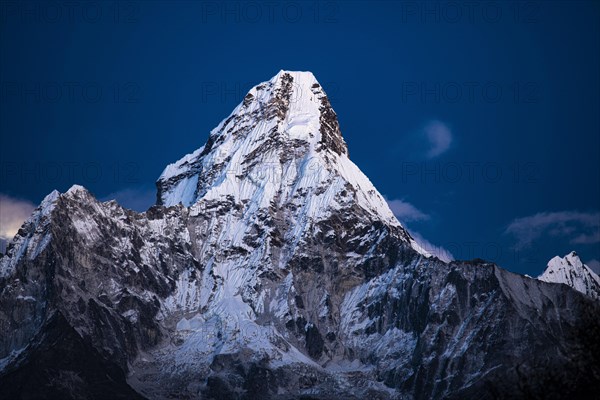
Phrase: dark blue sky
[483,116]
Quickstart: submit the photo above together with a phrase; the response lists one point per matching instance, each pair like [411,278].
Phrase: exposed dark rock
[314,341]
[59,364]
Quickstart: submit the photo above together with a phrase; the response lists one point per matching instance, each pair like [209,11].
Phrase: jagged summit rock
[281,148]
[271,268]
[574,273]
[286,119]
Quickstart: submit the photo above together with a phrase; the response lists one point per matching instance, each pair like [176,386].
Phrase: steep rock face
[572,272]
[279,155]
[271,268]
[101,267]
[60,365]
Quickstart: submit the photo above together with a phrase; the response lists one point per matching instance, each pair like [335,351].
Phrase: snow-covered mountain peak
[24,246]
[280,149]
[295,104]
[49,200]
[571,271]
[570,261]
[76,189]
[297,75]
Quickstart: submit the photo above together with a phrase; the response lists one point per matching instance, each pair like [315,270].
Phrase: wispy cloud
[574,226]
[432,139]
[136,198]
[590,238]
[406,212]
[438,251]
[439,137]
[594,265]
[13,212]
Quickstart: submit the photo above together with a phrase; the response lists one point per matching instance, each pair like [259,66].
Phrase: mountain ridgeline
[570,271]
[271,268]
